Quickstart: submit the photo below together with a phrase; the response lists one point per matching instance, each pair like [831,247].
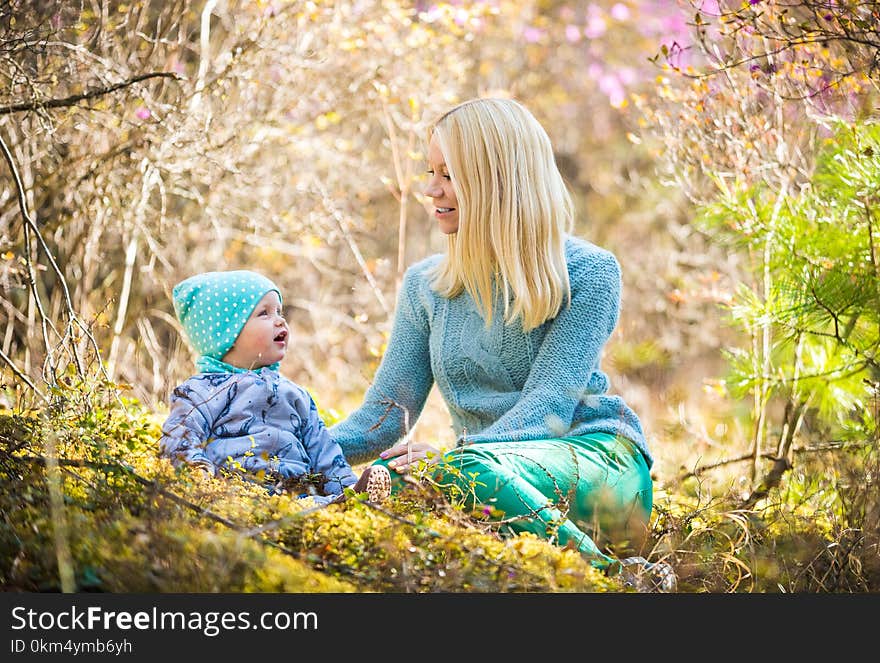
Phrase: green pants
[574,491]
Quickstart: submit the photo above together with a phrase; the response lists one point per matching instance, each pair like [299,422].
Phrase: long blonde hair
[514,211]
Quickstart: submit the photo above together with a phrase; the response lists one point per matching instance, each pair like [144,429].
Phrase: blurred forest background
[727,152]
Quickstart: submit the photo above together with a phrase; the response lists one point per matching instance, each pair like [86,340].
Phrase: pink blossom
[595,28]
[142,113]
[532,34]
[432,14]
[675,25]
[617,97]
[572,33]
[627,75]
[610,85]
[620,12]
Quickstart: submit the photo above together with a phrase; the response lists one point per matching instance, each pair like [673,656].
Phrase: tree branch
[831,446]
[75,99]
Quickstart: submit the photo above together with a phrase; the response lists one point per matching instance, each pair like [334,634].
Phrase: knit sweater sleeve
[569,353]
[401,384]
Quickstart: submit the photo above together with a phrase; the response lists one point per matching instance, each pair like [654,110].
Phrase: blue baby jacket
[499,383]
[259,419]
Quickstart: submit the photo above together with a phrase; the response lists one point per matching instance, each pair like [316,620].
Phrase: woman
[511,323]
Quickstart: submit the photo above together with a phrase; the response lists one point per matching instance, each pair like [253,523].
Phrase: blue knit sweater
[499,383]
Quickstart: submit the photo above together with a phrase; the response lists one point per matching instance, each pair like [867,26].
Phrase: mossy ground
[87,505]
[129,522]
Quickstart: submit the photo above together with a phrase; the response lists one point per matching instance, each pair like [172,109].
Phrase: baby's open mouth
[282,336]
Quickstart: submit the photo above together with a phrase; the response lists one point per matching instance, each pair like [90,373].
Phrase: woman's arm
[400,387]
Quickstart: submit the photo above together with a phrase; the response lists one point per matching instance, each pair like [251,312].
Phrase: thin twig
[24,378]
[346,232]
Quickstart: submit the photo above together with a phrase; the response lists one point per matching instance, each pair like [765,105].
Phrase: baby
[238,412]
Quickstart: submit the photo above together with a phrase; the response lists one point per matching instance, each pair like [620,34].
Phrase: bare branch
[831,446]
[75,99]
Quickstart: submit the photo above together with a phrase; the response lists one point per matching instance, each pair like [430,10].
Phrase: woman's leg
[571,488]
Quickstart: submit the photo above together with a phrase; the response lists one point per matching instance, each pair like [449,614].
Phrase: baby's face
[263,339]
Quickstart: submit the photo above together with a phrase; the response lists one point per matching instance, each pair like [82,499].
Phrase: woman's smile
[440,190]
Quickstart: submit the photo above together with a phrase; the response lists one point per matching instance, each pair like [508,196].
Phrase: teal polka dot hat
[213,307]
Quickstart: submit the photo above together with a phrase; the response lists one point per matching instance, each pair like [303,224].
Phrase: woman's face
[440,190]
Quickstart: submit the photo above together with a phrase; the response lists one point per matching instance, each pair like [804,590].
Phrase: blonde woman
[510,323]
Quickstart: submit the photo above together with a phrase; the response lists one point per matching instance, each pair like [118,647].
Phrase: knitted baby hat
[213,307]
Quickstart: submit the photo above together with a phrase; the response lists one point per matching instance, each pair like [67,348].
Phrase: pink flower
[595,28]
[572,33]
[611,86]
[143,113]
[674,25]
[620,12]
[532,34]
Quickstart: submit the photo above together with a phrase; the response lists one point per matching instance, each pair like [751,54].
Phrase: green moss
[132,523]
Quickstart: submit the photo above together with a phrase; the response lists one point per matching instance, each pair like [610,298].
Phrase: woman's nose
[433,190]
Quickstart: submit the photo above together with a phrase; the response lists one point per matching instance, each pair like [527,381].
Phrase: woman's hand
[403,457]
